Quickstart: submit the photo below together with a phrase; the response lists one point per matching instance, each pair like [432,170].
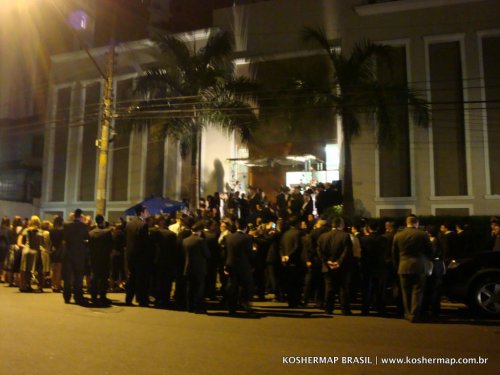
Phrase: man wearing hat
[137,256]
[100,245]
[195,267]
[238,267]
[282,201]
[75,234]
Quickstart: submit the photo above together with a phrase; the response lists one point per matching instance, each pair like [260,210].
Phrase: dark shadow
[282,311]
[219,174]
[215,181]
[461,316]
[99,306]
[292,313]
[237,315]
[450,313]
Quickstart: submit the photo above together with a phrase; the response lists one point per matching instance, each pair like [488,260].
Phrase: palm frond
[227,112]
[217,50]
[161,82]
[244,88]
[173,48]
[318,36]
[366,50]
[391,104]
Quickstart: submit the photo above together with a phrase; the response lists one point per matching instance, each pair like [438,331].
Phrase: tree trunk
[347,188]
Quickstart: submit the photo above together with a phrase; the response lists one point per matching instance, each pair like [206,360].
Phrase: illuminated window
[315,175]
[332,152]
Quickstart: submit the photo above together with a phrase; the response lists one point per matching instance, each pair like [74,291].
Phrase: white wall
[11,209]
[216,148]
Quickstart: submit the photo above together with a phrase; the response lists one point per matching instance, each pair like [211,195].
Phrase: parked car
[475,281]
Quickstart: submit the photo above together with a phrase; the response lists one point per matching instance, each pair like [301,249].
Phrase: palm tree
[193,89]
[357,91]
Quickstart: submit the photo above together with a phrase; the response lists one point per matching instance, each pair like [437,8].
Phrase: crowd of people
[234,249]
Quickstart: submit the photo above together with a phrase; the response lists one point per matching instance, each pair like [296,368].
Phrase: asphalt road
[39,334]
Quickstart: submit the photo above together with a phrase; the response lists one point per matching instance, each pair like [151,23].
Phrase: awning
[157,205]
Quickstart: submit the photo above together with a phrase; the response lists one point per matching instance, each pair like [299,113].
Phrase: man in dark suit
[449,242]
[314,284]
[391,276]
[373,270]
[184,231]
[411,252]
[335,252]
[211,234]
[282,201]
[321,199]
[195,267]
[465,240]
[291,246]
[307,207]
[295,202]
[138,257]
[238,267]
[75,234]
[100,245]
[164,247]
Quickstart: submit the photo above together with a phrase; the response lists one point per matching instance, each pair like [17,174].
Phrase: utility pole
[107,112]
[103,142]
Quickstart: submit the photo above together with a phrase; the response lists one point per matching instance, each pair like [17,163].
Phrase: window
[121,147]
[155,162]
[317,174]
[394,158]
[61,129]
[90,134]
[491,57]
[448,126]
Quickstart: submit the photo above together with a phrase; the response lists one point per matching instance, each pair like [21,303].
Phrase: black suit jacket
[239,252]
[306,210]
[449,244]
[137,242]
[411,250]
[196,255]
[100,245]
[389,238]
[291,245]
[321,201]
[334,246]
[311,253]
[373,250]
[165,249]
[76,235]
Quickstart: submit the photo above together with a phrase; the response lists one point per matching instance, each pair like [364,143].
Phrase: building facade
[447,51]
[142,162]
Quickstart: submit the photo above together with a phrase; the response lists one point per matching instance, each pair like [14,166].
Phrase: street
[42,335]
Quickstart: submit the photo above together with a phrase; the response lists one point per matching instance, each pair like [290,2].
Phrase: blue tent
[157,205]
